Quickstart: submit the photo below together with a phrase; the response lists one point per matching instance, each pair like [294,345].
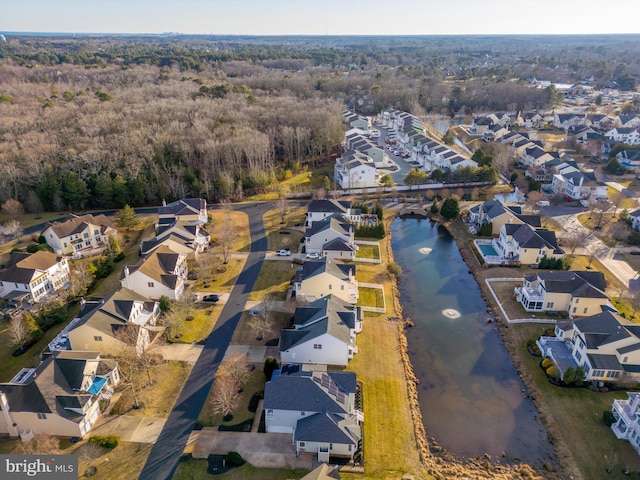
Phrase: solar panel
[316,379]
[340,397]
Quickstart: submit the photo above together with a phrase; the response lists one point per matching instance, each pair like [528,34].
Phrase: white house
[59,397]
[605,345]
[323,232]
[567,120]
[321,209]
[188,210]
[319,278]
[627,415]
[498,214]
[37,274]
[121,320]
[575,185]
[626,135]
[355,170]
[535,156]
[629,120]
[79,235]
[634,218]
[531,120]
[318,408]
[162,272]
[324,332]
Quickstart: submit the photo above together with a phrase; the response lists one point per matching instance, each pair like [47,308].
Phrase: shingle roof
[604,362]
[311,268]
[574,281]
[75,224]
[22,267]
[602,329]
[327,427]
[159,265]
[328,206]
[186,206]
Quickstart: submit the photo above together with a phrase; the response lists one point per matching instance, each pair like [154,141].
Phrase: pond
[472,400]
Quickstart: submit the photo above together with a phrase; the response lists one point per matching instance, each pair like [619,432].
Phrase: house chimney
[164,202]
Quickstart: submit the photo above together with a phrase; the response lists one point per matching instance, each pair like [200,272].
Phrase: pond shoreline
[437,460]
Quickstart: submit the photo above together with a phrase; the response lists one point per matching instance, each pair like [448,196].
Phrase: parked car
[211,298]
[313,255]
[283,253]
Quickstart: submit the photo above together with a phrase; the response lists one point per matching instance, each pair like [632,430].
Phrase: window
[330,287]
[85,235]
[150,284]
[302,444]
[331,446]
[577,300]
[302,414]
[317,346]
[585,310]
[574,309]
[97,338]
[42,416]
[549,304]
[341,287]
[269,413]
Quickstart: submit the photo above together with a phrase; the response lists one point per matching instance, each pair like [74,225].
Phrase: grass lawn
[368,251]
[307,181]
[504,292]
[551,224]
[158,398]
[124,461]
[371,297]
[295,215]
[223,282]
[254,384]
[204,319]
[578,413]
[580,262]
[30,219]
[274,279]
[284,238]
[389,439]
[196,468]
[242,241]
[244,335]
[591,221]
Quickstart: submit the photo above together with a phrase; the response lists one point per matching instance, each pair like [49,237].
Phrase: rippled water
[471,397]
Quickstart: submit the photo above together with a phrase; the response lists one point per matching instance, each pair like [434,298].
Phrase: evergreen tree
[450,208]
[127,218]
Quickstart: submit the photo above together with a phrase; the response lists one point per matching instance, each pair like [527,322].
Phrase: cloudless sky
[322,17]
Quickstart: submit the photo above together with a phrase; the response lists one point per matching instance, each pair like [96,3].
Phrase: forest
[103,121]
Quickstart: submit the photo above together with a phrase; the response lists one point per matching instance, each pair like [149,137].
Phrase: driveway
[254,353]
[262,450]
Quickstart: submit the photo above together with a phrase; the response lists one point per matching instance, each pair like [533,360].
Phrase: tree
[19,332]
[270,365]
[614,167]
[12,208]
[236,366]
[128,363]
[33,203]
[261,322]
[575,239]
[386,180]
[533,197]
[438,175]
[207,265]
[82,276]
[36,332]
[283,207]
[225,396]
[599,209]
[126,218]
[226,232]
[40,444]
[416,177]
[165,303]
[450,208]
[13,228]
[482,158]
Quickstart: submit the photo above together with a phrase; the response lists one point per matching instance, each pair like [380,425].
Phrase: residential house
[575,185]
[531,120]
[184,235]
[318,408]
[600,121]
[494,133]
[161,273]
[579,293]
[362,145]
[629,159]
[59,397]
[629,120]
[356,121]
[110,325]
[35,274]
[322,232]
[79,236]
[324,332]
[323,472]
[480,125]
[535,156]
[523,244]
[605,345]
[187,210]
[355,170]
[321,209]
[319,278]
[626,135]
[544,173]
[582,134]
[627,415]
[498,214]
[567,120]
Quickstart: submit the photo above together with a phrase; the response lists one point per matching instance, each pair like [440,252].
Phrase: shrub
[553,372]
[34,329]
[434,206]
[375,231]
[106,441]
[165,303]
[270,364]
[546,363]
[234,458]
[394,269]
[119,257]
[486,230]
[608,418]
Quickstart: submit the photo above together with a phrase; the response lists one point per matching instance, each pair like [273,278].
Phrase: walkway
[163,459]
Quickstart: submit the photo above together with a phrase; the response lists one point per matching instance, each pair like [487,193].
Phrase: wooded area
[108,121]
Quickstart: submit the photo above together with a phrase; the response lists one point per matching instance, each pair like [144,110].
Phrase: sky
[322,17]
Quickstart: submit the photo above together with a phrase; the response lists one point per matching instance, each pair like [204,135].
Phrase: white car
[313,255]
[283,253]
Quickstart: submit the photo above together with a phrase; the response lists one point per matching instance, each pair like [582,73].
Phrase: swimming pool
[487,249]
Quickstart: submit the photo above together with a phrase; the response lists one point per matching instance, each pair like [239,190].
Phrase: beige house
[123,319]
[162,272]
[319,278]
[523,244]
[59,397]
[79,236]
[498,214]
[185,234]
[188,210]
[37,274]
[579,293]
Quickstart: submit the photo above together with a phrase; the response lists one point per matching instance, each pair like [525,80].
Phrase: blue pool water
[487,250]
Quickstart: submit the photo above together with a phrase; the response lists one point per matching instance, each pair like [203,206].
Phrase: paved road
[164,457]
[403,166]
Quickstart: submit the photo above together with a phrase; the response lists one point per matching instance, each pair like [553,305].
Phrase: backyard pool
[487,249]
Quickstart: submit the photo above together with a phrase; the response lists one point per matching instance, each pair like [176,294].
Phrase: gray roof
[335,222]
[186,206]
[308,392]
[311,268]
[526,237]
[338,245]
[328,206]
[574,282]
[327,427]
[602,329]
[604,362]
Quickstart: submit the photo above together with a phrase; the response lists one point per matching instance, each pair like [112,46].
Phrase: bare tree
[226,233]
[283,207]
[207,264]
[129,369]
[40,444]
[616,200]
[236,366]
[225,396]
[575,239]
[33,203]
[80,279]
[600,208]
[475,194]
[13,228]
[261,323]
[634,302]
[89,452]
[12,208]
[19,332]
[592,250]
[533,197]
[135,347]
